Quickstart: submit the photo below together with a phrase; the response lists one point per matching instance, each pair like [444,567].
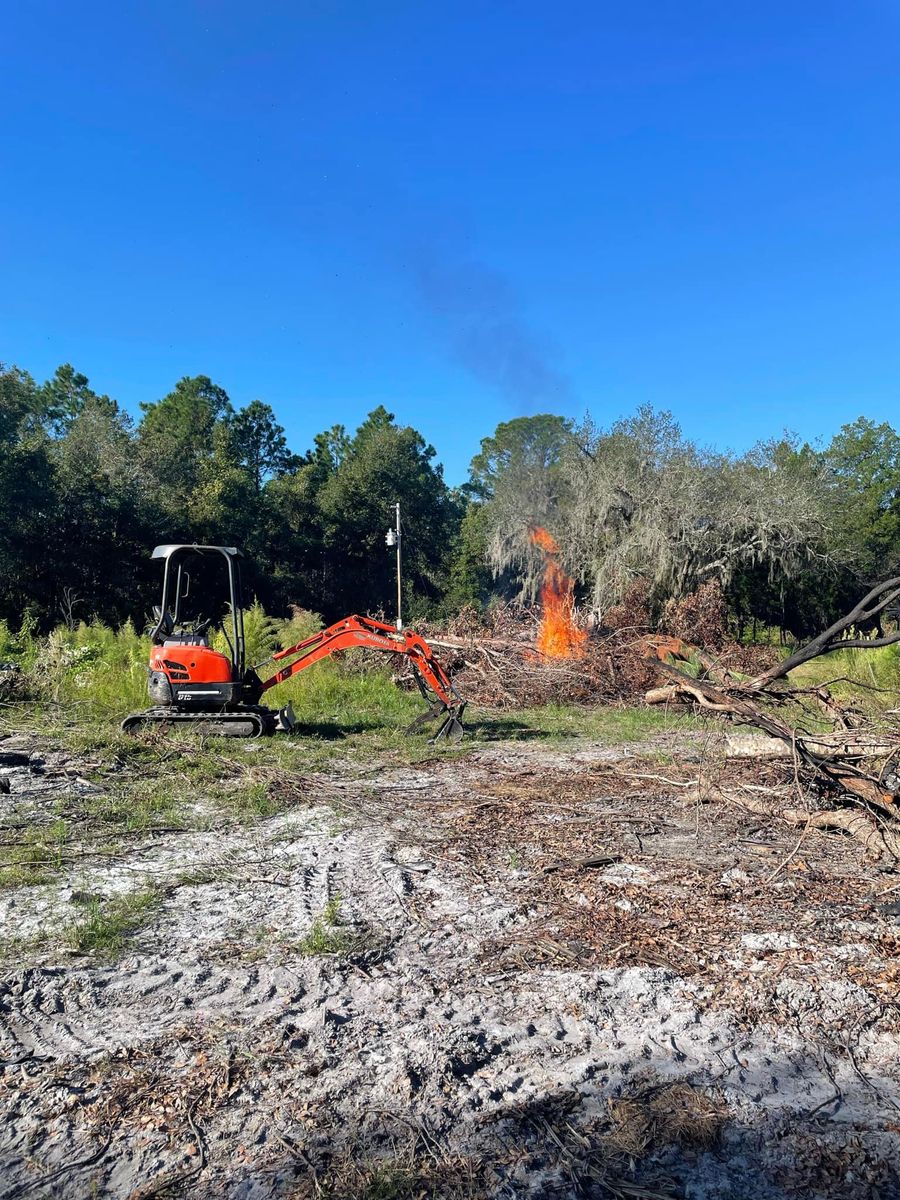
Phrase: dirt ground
[528,970]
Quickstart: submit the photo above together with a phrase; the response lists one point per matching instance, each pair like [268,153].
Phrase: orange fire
[558,636]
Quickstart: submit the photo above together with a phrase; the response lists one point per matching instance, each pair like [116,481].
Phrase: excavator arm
[353,633]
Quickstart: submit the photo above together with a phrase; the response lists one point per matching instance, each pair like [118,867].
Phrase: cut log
[755,745]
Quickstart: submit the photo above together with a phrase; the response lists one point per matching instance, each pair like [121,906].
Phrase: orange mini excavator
[194,685]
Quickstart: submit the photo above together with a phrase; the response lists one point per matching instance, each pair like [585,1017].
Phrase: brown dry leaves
[669,1114]
[164,1089]
[614,869]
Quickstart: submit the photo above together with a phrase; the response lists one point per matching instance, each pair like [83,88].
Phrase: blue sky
[466,212]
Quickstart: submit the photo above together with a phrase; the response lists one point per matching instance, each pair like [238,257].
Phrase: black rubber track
[247,723]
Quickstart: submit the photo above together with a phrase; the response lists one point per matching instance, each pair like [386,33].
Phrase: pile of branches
[846,778]
[492,656]
[493,659]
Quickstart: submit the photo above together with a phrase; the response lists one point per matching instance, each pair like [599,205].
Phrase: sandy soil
[540,944]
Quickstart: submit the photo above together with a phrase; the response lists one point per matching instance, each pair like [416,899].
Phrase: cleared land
[535,965]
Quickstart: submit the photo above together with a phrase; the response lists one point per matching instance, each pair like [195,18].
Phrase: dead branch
[710,793]
[876,840]
[881,840]
[873,603]
[833,759]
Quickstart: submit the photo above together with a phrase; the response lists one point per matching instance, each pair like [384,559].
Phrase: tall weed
[93,668]
[23,647]
[854,673]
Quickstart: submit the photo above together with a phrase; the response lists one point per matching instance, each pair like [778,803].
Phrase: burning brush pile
[510,657]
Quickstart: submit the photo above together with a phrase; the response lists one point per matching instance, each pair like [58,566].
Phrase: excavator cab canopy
[170,615]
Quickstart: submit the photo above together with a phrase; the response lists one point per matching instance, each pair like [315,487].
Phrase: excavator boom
[355,633]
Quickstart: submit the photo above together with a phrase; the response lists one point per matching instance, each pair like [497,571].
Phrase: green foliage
[177,439]
[66,395]
[526,448]
[23,413]
[864,459]
[876,670]
[93,671]
[262,634]
[470,580]
[106,924]
[335,696]
[29,505]
[793,534]
[301,625]
[22,647]
[384,463]
[92,668]
[327,935]
[259,442]
[85,496]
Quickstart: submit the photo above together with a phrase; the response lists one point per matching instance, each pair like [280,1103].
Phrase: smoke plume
[481,316]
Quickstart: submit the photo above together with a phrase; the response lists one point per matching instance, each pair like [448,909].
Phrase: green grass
[413,1174]
[392,1181]
[141,805]
[107,924]
[327,935]
[559,722]
[186,780]
[855,673]
[36,859]
[248,800]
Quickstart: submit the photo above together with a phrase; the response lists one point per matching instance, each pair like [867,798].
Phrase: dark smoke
[481,316]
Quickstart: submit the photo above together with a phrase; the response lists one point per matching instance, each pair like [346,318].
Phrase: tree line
[791,532]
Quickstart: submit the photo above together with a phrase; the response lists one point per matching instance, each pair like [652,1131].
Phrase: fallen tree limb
[863,829]
[869,608]
[711,793]
[880,840]
[597,860]
[740,703]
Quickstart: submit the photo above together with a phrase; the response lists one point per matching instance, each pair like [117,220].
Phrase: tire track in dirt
[216,1018]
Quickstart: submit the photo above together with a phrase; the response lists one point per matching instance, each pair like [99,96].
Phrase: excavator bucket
[285,721]
[450,728]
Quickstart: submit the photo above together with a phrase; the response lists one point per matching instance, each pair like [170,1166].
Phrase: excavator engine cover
[193,676]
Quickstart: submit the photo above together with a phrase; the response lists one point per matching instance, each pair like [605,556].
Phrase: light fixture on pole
[392,539]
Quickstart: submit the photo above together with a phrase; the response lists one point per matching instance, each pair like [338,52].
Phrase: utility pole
[393,537]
